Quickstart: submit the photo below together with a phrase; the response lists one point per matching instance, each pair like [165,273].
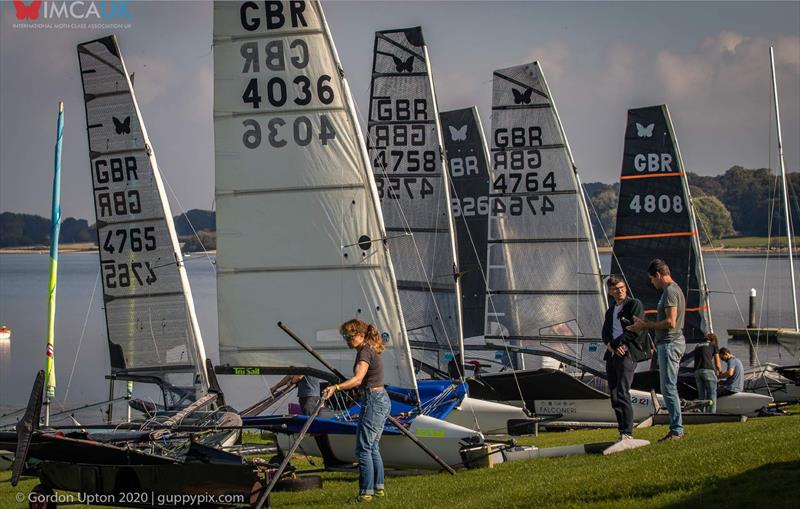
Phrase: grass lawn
[749,242]
[754,464]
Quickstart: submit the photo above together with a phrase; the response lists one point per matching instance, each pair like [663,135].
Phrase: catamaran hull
[769,381]
[488,417]
[742,403]
[593,410]
[397,451]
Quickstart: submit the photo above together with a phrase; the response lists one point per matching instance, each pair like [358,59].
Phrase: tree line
[32,230]
[741,201]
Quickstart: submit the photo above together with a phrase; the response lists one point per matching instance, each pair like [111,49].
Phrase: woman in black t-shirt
[706,367]
[375,404]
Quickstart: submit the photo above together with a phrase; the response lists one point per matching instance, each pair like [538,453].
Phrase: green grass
[754,464]
[750,242]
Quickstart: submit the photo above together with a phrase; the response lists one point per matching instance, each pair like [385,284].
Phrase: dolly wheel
[42,497]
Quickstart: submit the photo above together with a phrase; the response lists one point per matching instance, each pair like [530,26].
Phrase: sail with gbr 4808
[300,236]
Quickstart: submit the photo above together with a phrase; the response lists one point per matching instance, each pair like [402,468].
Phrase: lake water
[82,364]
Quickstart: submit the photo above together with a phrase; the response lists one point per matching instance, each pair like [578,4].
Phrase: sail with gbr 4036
[300,235]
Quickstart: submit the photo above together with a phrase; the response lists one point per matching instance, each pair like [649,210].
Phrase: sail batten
[149,310]
[300,238]
[543,277]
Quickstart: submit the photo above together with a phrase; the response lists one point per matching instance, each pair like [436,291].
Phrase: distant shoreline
[79,247]
[89,247]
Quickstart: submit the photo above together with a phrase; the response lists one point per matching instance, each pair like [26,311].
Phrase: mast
[55,229]
[784,187]
[701,266]
[447,181]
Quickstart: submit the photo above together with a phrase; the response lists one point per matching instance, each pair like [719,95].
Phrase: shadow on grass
[773,485]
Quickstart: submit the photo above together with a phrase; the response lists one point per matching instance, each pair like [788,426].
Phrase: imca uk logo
[39,10]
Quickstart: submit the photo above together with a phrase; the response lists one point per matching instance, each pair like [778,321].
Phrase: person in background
[670,343]
[624,349]
[734,374]
[375,404]
[307,391]
[706,367]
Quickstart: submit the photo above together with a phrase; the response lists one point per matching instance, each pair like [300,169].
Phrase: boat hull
[488,417]
[397,451]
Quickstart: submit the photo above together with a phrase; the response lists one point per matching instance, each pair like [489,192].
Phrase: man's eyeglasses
[618,289]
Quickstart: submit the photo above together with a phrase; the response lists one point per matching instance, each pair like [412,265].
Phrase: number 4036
[279,131]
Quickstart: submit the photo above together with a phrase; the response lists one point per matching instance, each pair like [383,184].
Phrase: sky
[708,61]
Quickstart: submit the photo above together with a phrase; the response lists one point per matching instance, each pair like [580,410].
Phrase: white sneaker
[625,436]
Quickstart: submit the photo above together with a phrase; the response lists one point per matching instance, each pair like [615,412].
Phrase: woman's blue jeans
[707,386]
[375,407]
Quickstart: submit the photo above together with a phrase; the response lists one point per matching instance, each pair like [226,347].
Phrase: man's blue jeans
[374,408]
[707,386]
[669,359]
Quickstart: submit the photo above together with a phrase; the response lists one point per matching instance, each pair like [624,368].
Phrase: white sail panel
[407,157]
[300,238]
[149,311]
[544,277]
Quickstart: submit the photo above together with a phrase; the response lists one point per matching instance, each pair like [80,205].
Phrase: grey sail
[300,237]
[405,147]
[152,328]
[545,289]
[468,163]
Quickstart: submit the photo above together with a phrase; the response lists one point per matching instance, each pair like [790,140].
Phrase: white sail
[152,328]
[544,281]
[300,237]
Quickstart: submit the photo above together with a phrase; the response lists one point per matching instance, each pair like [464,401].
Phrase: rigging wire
[189,222]
[83,334]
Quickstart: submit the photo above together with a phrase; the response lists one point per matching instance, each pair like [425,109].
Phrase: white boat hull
[488,417]
[595,410]
[742,403]
[398,451]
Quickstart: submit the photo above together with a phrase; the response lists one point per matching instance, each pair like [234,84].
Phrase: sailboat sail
[543,271]
[468,162]
[152,329]
[300,237]
[406,150]
[655,218]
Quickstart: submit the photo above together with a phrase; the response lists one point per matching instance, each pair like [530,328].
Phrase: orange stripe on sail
[655,235]
[654,175]
[655,311]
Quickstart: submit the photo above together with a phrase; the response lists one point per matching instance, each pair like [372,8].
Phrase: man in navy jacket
[624,349]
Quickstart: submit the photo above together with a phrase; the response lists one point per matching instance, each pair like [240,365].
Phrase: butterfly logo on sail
[459,134]
[522,97]
[644,132]
[122,126]
[401,65]
[30,11]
